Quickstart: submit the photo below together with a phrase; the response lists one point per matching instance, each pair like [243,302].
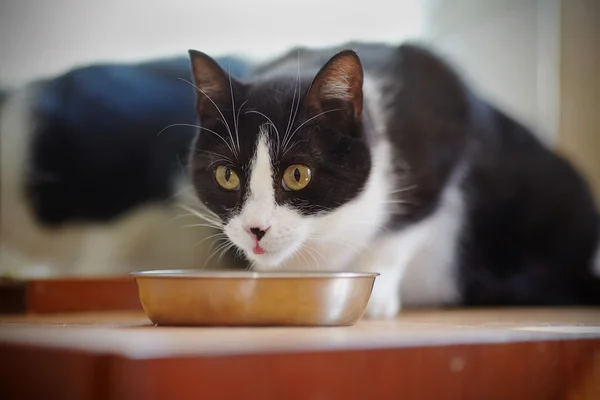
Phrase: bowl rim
[235,274]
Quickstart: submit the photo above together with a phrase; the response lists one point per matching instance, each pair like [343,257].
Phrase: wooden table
[525,354]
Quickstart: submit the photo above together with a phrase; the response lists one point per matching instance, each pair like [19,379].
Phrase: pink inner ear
[212,84]
[341,79]
[339,88]
[207,81]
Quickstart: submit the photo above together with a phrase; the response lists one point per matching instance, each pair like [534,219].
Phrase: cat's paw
[385,297]
[382,307]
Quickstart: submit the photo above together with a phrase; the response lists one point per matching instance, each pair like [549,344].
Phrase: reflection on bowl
[230,298]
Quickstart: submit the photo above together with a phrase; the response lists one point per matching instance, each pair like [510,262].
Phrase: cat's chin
[272,259]
[267,262]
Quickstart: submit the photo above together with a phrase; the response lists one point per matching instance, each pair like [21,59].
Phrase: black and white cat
[391,165]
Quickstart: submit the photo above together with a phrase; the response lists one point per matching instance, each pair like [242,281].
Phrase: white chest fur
[431,274]
[336,239]
[418,265]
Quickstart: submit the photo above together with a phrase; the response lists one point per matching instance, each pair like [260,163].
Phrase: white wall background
[44,37]
[502,45]
[508,49]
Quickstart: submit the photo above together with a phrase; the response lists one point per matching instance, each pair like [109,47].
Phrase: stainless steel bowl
[226,298]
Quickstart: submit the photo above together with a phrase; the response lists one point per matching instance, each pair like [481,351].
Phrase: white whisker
[219,248]
[306,122]
[173,125]
[225,250]
[237,138]
[237,122]
[268,119]
[204,129]
[310,249]
[404,202]
[210,237]
[289,148]
[216,154]
[224,120]
[201,225]
[205,210]
[304,258]
[221,160]
[404,189]
[306,248]
[215,220]
[287,128]
[291,119]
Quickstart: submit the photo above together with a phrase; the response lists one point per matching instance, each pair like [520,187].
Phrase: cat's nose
[258,232]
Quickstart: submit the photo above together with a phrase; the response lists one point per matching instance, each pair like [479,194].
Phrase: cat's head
[275,158]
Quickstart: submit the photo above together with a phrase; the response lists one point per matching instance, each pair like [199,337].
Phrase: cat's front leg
[390,256]
[385,299]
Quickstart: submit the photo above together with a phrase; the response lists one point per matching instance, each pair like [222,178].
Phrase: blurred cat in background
[88,185]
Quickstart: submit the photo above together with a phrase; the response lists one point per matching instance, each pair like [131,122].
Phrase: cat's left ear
[338,84]
[215,86]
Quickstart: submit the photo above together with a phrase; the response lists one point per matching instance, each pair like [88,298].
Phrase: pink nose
[257,232]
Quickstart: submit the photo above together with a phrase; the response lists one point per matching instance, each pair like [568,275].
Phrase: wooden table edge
[530,370]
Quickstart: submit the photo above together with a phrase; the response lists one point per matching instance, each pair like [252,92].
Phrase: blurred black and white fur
[93,178]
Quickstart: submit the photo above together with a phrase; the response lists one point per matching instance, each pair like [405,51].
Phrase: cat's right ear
[215,87]
[338,85]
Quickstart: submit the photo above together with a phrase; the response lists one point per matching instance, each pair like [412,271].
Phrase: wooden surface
[56,295]
[477,354]
[132,335]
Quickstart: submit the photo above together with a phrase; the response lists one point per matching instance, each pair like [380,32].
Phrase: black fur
[325,144]
[531,223]
[531,226]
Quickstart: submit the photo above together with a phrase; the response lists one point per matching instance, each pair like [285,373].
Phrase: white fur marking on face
[260,201]
[287,228]
[261,178]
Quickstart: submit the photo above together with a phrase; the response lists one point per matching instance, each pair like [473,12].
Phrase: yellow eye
[296,177]
[227,178]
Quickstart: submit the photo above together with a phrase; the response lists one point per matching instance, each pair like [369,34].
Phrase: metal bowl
[227,298]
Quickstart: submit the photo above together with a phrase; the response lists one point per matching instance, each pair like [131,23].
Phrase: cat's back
[529,226]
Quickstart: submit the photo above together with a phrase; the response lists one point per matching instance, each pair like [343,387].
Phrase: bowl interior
[235,274]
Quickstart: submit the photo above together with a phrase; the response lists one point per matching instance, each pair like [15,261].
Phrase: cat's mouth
[258,250]
[271,248]
[267,258]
